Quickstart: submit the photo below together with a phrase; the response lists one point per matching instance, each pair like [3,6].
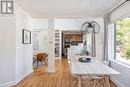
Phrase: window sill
[120,63]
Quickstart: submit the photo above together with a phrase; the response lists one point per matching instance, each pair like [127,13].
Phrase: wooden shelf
[57,43]
[73,37]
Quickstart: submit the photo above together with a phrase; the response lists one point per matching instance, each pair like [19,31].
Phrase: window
[122,38]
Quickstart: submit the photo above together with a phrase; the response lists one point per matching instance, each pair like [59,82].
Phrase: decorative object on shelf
[90,27]
[26,36]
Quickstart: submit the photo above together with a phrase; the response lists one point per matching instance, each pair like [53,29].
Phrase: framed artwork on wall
[26,36]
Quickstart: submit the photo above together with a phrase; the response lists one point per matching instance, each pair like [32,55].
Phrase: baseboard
[17,81]
[51,70]
[7,84]
[57,57]
[21,78]
[116,82]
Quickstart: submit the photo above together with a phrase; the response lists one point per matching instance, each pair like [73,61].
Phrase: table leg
[79,81]
[37,63]
[107,81]
[94,83]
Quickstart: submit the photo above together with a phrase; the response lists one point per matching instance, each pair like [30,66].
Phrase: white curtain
[106,33]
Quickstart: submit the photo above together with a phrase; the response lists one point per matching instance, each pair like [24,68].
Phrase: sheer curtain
[106,33]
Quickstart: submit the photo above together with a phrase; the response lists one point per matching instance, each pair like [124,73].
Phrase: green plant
[127,54]
[123,37]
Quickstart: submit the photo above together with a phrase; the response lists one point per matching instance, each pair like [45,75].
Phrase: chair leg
[102,82]
[45,62]
[89,82]
[37,63]
[107,81]
[34,61]
[75,81]
[99,82]
[41,62]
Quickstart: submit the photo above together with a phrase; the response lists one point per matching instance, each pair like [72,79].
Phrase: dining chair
[92,81]
[40,57]
[100,80]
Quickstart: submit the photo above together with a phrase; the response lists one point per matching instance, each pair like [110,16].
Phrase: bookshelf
[57,43]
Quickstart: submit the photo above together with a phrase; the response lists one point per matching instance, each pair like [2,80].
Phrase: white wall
[70,23]
[23,51]
[15,57]
[40,23]
[40,39]
[7,49]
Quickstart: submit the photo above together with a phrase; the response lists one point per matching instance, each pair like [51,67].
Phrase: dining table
[92,68]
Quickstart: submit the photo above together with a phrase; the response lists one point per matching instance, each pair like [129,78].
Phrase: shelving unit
[73,38]
[57,44]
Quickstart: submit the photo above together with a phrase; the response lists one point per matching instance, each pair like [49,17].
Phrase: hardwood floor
[62,77]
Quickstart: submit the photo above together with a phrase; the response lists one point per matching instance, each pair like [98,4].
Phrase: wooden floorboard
[62,77]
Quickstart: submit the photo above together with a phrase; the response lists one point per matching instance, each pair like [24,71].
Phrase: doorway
[70,38]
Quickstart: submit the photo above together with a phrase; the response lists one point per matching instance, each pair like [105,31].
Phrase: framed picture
[26,39]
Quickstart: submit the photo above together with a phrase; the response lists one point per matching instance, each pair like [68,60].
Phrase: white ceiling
[67,8]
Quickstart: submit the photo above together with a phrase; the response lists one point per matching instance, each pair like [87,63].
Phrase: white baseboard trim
[57,57]
[116,82]
[17,81]
[51,70]
[7,84]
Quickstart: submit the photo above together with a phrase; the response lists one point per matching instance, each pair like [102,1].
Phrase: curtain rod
[118,6]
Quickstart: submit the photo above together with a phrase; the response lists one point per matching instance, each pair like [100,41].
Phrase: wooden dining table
[92,68]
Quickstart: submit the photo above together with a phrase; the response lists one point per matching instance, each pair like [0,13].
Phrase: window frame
[115,58]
